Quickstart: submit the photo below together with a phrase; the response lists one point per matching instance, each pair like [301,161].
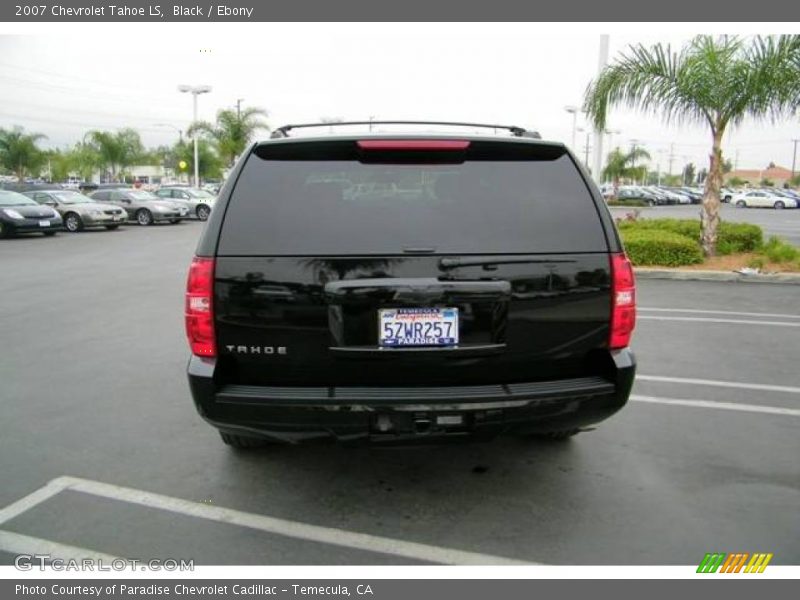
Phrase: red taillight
[623,302]
[200,307]
[413,144]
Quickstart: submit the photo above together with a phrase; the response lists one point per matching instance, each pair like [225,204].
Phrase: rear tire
[144,217]
[779,205]
[741,204]
[241,442]
[5,231]
[73,223]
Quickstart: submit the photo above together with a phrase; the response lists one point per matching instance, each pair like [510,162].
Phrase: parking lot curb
[691,275]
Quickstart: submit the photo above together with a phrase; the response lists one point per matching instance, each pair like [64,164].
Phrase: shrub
[731,237]
[627,203]
[739,237]
[660,248]
[778,251]
[759,262]
[685,227]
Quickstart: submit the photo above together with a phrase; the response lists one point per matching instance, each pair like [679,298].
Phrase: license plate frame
[418,327]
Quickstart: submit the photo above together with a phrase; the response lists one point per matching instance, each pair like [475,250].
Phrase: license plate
[418,327]
[44,223]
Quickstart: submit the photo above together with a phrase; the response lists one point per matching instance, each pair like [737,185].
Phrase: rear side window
[299,202]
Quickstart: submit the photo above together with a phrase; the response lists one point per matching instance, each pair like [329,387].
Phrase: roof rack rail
[282,132]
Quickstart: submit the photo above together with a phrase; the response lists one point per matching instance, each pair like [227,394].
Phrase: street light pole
[195,91]
[573,110]
[794,157]
[602,60]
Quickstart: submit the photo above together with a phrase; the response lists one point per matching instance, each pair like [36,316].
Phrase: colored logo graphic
[734,563]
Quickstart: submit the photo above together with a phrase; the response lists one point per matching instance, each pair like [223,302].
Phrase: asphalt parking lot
[785,223]
[94,400]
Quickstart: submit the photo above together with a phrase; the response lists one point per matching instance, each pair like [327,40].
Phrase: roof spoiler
[283,132]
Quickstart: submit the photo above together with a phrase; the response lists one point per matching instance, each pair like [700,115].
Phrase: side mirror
[51,203]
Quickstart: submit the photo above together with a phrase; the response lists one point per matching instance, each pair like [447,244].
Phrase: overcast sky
[96,77]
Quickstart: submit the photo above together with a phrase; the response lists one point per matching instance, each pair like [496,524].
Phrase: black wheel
[5,231]
[49,233]
[779,205]
[202,212]
[241,442]
[144,217]
[741,204]
[72,223]
[112,227]
[651,203]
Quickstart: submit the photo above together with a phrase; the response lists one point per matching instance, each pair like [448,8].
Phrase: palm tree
[716,82]
[19,152]
[116,150]
[625,165]
[232,131]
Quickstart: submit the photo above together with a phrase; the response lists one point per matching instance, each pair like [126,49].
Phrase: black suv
[411,287]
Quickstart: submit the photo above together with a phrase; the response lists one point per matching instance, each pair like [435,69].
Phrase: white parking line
[754,408]
[16,543]
[707,320]
[293,529]
[718,312]
[28,502]
[764,387]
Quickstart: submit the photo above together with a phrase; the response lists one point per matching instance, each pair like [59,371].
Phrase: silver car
[199,202]
[143,207]
[78,211]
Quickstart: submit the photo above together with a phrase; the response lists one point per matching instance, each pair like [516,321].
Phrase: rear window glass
[477,204]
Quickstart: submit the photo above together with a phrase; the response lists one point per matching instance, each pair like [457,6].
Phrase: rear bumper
[414,414]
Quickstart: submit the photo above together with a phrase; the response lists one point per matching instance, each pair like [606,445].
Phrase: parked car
[78,211]
[629,194]
[198,202]
[692,194]
[496,299]
[144,207]
[676,196]
[20,214]
[726,194]
[763,199]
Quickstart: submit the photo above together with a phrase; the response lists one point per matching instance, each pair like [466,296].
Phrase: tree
[702,175]
[19,152]
[736,182]
[716,82]
[766,182]
[727,166]
[116,151]
[232,131]
[795,181]
[689,171]
[208,163]
[625,166]
[85,160]
[60,164]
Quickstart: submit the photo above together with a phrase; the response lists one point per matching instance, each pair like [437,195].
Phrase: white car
[762,199]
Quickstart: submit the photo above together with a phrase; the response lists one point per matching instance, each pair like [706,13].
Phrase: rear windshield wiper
[452,263]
